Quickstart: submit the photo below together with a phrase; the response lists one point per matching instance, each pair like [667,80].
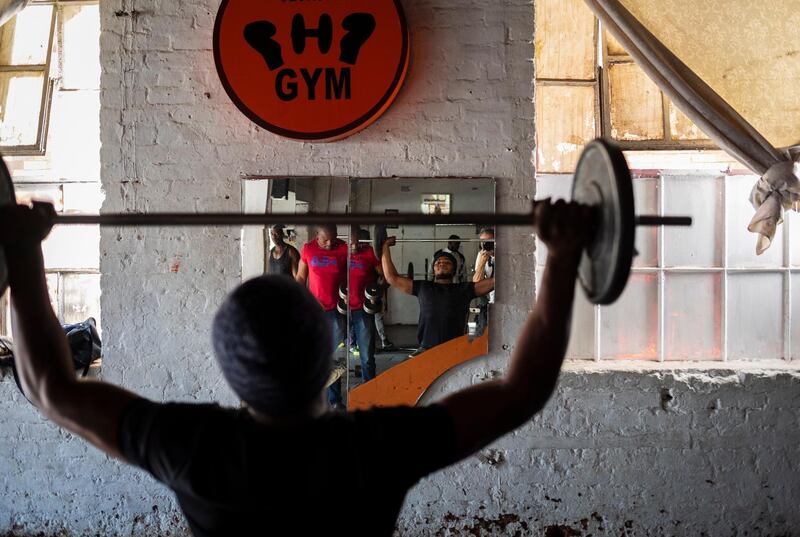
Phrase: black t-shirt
[282,265]
[443,310]
[235,476]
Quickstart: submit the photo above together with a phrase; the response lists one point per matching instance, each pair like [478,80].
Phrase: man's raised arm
[486,411]
[43,359]
[390,272]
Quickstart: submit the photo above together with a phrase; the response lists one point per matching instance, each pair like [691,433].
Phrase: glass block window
[697,293]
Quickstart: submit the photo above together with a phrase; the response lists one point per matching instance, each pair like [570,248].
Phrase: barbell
[399,241]
[602,179]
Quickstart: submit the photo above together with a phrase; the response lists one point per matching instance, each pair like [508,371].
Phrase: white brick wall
[605,458]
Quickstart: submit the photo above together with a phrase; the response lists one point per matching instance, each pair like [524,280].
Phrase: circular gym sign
[312,69]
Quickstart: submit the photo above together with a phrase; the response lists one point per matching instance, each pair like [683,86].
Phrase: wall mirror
[394,333]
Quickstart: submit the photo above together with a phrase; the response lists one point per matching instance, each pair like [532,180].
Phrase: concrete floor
[404,338]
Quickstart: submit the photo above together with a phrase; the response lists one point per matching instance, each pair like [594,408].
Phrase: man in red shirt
[364,270]
[323,267]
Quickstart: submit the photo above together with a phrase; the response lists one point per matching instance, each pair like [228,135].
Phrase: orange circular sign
[312,69]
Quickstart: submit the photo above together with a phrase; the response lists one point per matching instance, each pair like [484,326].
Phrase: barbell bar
[601,180]
[337,219]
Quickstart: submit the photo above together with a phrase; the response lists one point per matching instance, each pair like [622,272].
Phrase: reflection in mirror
[313,255]
[427,288]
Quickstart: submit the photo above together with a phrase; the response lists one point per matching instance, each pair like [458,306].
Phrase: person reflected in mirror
[365,267]
[269,466]
[443,303]
[484,268]
[323,268]
[380,326]
[453,248]
[284,259]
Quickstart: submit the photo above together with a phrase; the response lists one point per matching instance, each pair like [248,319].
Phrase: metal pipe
[9,8]
[238,219]
[654,220]
[428,240]
[399,219]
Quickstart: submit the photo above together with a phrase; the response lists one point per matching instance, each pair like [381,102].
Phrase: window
[26,45]
[66,172]
[697,293]
[435,204]
[588,86]
[635,112]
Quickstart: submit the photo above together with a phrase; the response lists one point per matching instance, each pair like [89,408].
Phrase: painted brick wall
[615,453]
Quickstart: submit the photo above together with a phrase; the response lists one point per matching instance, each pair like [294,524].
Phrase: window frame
[604,106]
[40,147]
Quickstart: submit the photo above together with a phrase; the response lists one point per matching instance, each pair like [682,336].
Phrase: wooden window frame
[604,98]
[40,146]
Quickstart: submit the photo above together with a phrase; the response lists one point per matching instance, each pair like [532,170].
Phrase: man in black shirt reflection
[284,258]
[443,305]
[275,466]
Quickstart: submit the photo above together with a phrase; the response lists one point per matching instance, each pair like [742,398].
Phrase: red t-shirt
[362,274]
[326,271]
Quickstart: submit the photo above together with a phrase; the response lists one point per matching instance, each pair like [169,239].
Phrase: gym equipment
[373,306]
[372,292]
[602,180]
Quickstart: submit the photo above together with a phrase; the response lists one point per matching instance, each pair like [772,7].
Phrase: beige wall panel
[613,47]
[681,127]
[747,51]
[564,44]
[636,107]
[565,122]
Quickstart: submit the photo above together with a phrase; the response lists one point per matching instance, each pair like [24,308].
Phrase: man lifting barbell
[271,464]
[241,471]
[443,304]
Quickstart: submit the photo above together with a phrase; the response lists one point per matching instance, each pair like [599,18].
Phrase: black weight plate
[378,238]
[372,292]
[602,179]
[7,197]
[410,272]
[373,306]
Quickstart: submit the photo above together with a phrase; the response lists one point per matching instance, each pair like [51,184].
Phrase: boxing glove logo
[337,83]
[312,70]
